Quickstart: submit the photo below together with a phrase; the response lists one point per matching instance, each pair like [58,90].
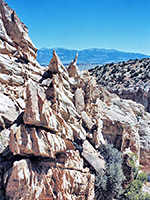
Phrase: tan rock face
[72,69]
[79,100]
[27,140]
[8,112]
[38,110]
[55,66]
[26,181]
[92,156]
[86,119]
[17,52]
[4,139]
[17,64]
[51,123]
[15,35]
[56,121]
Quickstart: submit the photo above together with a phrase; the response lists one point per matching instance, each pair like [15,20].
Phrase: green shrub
[111,64]
[108,183]
[132,71]
[127,84]
[146,196]
[141,177]
[133,190]
[128,69]
[114,70]
[114,76]
[148,178]
[133,158]
[104,70]
[134,74]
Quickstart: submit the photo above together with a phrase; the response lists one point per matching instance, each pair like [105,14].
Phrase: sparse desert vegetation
[130,80]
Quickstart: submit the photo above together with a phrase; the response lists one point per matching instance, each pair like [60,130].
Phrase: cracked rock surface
[53,121]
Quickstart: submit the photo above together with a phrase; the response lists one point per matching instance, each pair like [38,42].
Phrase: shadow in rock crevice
[47,74]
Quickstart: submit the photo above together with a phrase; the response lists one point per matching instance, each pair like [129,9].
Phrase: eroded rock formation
[53,121]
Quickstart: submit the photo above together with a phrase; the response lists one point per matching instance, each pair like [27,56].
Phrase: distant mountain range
[87,56]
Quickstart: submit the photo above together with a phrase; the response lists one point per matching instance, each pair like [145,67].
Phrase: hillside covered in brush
[130,80]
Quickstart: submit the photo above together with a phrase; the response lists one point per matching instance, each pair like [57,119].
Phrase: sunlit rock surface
[53,121]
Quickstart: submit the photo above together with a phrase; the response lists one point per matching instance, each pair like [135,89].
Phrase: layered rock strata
[57,134]
[38,158]
[53,121]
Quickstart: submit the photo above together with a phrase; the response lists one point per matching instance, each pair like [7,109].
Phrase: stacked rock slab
[53,122]
[17,64]
[51,125]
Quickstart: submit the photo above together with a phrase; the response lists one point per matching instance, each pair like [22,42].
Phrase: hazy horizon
[92,48]
[105,24]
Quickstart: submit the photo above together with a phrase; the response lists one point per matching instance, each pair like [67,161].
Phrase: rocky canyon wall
[52,122]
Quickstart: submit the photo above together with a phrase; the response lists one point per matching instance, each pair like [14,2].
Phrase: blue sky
[79,24]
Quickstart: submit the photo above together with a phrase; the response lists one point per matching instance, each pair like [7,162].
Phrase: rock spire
[53,121]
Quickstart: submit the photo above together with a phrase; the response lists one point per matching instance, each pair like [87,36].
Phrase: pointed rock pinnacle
[55,65]
[75,60]
[72,69]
